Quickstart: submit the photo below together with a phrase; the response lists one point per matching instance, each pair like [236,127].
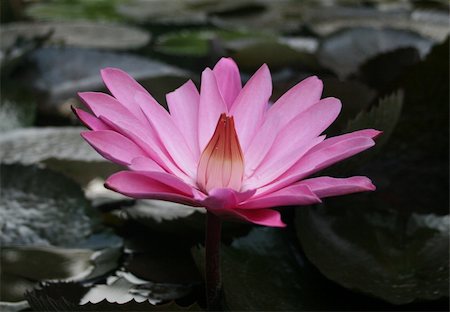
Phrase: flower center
[221,163]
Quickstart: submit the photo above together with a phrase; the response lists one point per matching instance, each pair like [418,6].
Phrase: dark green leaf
[389,255]
[383,117]
[264,271]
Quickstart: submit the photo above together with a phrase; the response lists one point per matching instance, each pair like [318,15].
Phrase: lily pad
[344,51]
[61,149]
[38,204]
[67,296]
[49,231]
[63,10]
[163,12]
[430,24]
[276,54]
[198,43]
[79,34]
[266,271]
[268,16]
[393,243]
[17,107]
[54,74]
[389,255]
[166,216]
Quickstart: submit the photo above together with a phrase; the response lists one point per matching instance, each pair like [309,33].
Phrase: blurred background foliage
[69,244]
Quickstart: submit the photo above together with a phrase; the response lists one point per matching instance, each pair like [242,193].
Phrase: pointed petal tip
[376,133]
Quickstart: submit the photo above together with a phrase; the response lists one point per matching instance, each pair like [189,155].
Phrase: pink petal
[210,108]
[299,130]
[319,158]
[276,166]
[266,217]
[123,87]
[297,195]
[151,186]
[251,104]
[365,133]
[168,133]
[183,105]
[223,202]
[111,112]
[144,164]
[90,121]
[113,146]
[296,100]
[228,80]
[327,186]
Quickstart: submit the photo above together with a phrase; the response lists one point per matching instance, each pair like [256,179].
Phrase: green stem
[212,263]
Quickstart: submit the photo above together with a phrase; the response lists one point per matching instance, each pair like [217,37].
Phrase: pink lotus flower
[224,148]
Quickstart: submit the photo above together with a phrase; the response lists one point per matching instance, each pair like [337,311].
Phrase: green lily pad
[79,34]
[163,12]
[63,10]
[198,43]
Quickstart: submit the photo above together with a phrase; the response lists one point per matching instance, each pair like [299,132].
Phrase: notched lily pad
[389,255]
[67,297]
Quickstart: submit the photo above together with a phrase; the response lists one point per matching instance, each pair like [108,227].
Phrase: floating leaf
[53,75]
[393,243]
[166,216]
[57,10]
[276,54]
[198,43]
[344,51]
[79,34]
[163,12]
[355,97]
[383,117]
[383,69]
[38,204]
[41,208]
[265,271]
[61,149]
[66,297]
[389,255]
[328,20]
[17,107]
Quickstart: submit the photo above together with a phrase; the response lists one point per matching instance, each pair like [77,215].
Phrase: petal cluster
[224,148]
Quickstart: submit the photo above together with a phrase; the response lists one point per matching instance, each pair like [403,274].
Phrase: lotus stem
[212,263]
